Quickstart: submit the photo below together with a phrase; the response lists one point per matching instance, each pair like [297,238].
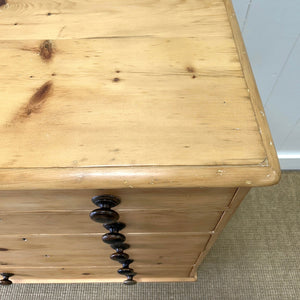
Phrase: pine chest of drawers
[150,109]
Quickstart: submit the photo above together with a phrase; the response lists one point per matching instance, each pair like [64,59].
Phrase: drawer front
[96,274]
[89,250]
[137,221]
[206,199]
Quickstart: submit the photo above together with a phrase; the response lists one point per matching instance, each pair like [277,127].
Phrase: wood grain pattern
[137,177]
[137,221]
[84,274]
[185,95]
[85,250]
[40,19]
[205,199]
[154,101]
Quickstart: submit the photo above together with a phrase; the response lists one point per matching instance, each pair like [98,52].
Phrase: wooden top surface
[146,85]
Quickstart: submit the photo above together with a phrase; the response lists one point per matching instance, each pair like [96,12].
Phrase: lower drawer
[96,274]
[89,250]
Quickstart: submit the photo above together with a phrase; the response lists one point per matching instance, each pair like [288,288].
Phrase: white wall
[271,30]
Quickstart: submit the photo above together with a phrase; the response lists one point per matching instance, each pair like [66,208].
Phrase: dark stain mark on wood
[38,99]
[116,79]
[53,74]
[49,14]
[35,103]
[24,239]
[2,2]
[86,274]
[3,263]
[190,69]
[16,24]
[46,50]
[118,71]
[186,146]
[194,76]
[3,249]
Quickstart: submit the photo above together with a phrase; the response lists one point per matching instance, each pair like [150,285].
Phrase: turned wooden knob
[113,238]
[5,280]
[127,271]
[105,214]
[119,255]
[129,280]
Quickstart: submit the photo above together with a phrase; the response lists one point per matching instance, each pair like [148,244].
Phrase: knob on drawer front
[5,280]
[109,217]
[104,214]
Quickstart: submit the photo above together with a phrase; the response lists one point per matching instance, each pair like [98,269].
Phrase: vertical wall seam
[246,16]
[288,135]
[282,70]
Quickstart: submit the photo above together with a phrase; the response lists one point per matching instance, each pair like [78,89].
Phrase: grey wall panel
[270,33]
[283,108]
[241,7]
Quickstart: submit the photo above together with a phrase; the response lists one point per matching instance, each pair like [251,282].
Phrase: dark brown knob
[109,217]
[104,214]
[129,280]
[5,280]
[119,255]
[114,227]
[127,271]
[113,238]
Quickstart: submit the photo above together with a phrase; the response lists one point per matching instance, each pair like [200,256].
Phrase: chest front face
[151,102]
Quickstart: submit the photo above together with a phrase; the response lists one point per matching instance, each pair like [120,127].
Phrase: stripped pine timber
[151,101]
[198,88]
[46,19]
[137,221]
[81,250]
[83,93]
[205,199]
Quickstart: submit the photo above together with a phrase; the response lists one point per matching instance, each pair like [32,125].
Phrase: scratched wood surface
[83,86]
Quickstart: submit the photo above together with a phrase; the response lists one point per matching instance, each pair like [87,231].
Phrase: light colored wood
[137,221]
[84,117]
[118,19]
[92,102]
[136,177]
[84,274]
[205,199]
[236,201]
[89,250]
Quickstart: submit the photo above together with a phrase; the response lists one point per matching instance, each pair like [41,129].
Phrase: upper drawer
[206,199]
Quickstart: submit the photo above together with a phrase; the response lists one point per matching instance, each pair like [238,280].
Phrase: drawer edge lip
[138,177]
